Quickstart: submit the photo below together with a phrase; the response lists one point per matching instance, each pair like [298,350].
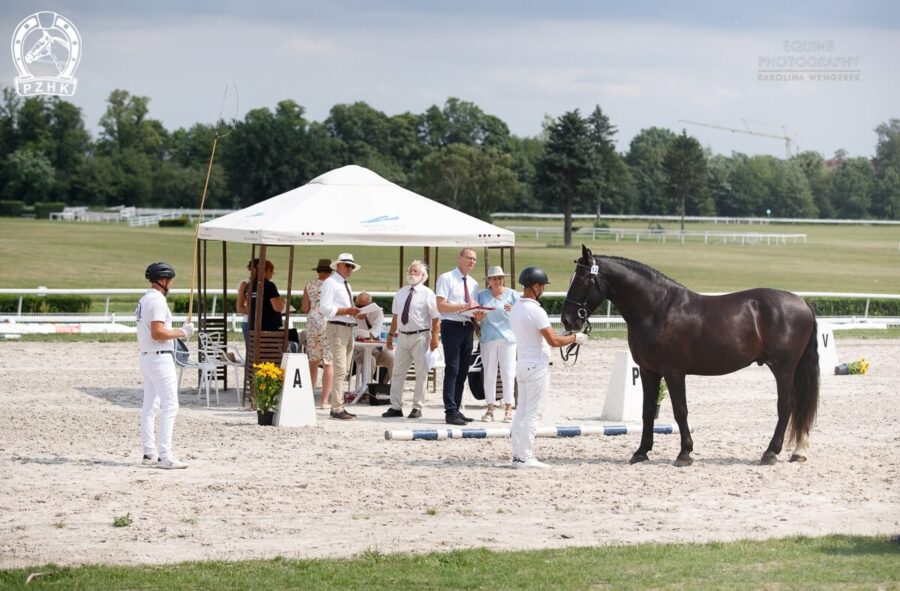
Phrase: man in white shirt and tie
[369,328]
[336,305]
[415,321]
[455,292]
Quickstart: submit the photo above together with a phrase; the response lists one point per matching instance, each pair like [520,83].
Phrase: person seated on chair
[273,304]
[368,328]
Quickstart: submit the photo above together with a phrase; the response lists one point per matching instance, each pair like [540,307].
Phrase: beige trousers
[409,348]
[340,340]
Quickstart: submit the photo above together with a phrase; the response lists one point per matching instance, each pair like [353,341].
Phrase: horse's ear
[586,252]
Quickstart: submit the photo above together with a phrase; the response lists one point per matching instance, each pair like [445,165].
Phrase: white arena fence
[110,321]
[692,218]
[666,235]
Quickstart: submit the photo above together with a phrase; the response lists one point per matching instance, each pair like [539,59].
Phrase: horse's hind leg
[785,381]
[650,385]
[679,408]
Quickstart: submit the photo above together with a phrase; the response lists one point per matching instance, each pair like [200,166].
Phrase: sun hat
[323,265]
[346,258]
[496,271]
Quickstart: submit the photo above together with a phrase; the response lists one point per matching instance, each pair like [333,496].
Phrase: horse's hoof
[682,461]
[768,459]
[638,457]
[798,458]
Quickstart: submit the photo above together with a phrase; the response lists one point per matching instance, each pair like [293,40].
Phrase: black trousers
[457,339]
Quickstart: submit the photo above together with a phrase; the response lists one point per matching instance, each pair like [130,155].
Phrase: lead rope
[573,349]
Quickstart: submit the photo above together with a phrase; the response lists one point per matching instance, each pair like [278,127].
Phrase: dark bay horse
[673,331]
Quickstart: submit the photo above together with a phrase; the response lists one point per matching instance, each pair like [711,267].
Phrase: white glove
[581,338]
[188,329]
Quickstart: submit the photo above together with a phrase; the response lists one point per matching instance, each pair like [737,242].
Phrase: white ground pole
[561,431]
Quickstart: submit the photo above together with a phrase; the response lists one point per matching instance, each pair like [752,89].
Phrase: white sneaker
[170,464]
[531,464]
[149,460]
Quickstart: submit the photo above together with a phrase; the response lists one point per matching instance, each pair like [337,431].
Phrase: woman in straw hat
[498,343]
[316,343]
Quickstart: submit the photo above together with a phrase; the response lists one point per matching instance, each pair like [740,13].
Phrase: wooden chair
[271,347]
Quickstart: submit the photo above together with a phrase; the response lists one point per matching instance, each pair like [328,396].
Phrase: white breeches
[534,384]
[160,393]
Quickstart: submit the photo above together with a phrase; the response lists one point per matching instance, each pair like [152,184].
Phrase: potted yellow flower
[661,395]
[267,381]
[853,368]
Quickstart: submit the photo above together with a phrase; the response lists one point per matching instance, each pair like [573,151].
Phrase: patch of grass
[123,520]
[431,511]
[832,562]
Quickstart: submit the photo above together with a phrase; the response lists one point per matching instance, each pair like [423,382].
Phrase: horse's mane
[644,270]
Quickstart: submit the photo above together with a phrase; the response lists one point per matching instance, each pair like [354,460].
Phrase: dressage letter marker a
[563,431]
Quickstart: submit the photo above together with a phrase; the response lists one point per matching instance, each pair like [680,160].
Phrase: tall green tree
[615,187]
[567,170]
[29,176]
[812,165]
[462,122]
[685,166]
[853,185]
[646,159]
[887,149]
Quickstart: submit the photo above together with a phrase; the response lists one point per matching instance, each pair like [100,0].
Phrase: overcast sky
[645,63]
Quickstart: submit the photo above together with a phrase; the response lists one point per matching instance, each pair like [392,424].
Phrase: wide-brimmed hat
[496,271]
[324,265]
[346,258]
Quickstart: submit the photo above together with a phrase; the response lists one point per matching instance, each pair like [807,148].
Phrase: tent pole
[487,252]
[400,282]
[225,305]
[427,260]
[287,310]
[512,267]
[257,314]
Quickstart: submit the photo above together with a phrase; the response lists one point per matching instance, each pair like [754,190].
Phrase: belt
[166,352]
[415,331]
[341,323]
[463,322]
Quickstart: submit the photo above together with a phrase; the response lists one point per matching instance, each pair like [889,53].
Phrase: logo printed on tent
[381,219]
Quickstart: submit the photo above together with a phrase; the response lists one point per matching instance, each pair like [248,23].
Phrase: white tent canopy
[353,206]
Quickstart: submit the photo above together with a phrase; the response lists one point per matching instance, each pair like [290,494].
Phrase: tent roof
[353,206]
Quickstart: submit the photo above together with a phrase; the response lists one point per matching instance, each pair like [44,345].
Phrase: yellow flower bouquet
[852,368]
[267,381]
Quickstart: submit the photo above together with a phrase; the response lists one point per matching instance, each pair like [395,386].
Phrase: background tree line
[456,154]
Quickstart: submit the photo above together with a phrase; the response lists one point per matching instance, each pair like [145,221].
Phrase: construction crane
[788,140]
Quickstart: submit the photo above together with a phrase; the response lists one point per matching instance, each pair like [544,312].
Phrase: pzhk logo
[46,49]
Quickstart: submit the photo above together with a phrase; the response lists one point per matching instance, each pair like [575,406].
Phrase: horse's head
[585,293]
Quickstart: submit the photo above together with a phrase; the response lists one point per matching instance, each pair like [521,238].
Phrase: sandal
[488,417]
[508,416]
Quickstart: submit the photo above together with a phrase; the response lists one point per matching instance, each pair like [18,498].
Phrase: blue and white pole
[561,431]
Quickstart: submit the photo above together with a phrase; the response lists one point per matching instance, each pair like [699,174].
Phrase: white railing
[666,235]
[690,218]
[604,316]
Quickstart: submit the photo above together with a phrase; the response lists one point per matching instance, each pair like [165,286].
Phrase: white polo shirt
[372,328]
[450,287]
[336,294]
[527,319]
[152,307]
[422,308]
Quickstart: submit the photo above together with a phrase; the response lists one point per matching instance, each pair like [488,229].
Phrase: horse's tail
[805,401]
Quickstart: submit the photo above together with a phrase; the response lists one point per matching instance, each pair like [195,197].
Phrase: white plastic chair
[208,369]
[221,356]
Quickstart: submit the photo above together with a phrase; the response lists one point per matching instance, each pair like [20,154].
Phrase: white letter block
[296,406]
[624,395]
[828,356]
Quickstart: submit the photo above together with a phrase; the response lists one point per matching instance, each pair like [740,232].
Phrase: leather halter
[583,311]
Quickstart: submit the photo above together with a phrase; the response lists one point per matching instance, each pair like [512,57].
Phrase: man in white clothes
[336,305]
[415,320]
[156,339]
[534,337]
[369,326]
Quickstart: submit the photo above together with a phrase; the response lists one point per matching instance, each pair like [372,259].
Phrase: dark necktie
[466,288]
[368,324]
[349,295]
[404,317]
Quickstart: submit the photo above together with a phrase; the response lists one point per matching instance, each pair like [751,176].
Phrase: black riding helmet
[531,275]
[157,271]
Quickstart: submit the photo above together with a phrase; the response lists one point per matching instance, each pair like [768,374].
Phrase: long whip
[219,135]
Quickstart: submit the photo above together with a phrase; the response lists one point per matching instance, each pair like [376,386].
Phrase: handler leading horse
[673,331]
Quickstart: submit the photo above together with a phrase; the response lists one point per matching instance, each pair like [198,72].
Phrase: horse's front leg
[679,409]
[650,385]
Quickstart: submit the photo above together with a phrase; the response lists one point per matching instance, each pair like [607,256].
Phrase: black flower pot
[841,370]
[657,411]
[265,418]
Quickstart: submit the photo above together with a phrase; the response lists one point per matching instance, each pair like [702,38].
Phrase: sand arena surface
[70,461]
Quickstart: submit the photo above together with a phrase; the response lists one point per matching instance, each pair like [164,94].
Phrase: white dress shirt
[335,295]
[422,308]
[372,329]
[450,287]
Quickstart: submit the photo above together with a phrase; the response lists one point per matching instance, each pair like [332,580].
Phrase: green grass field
[833,562]
[834,259]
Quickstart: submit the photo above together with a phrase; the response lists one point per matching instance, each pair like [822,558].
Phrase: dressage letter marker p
[624,394]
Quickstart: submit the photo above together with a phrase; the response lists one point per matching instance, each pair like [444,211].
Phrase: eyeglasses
[469,258]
